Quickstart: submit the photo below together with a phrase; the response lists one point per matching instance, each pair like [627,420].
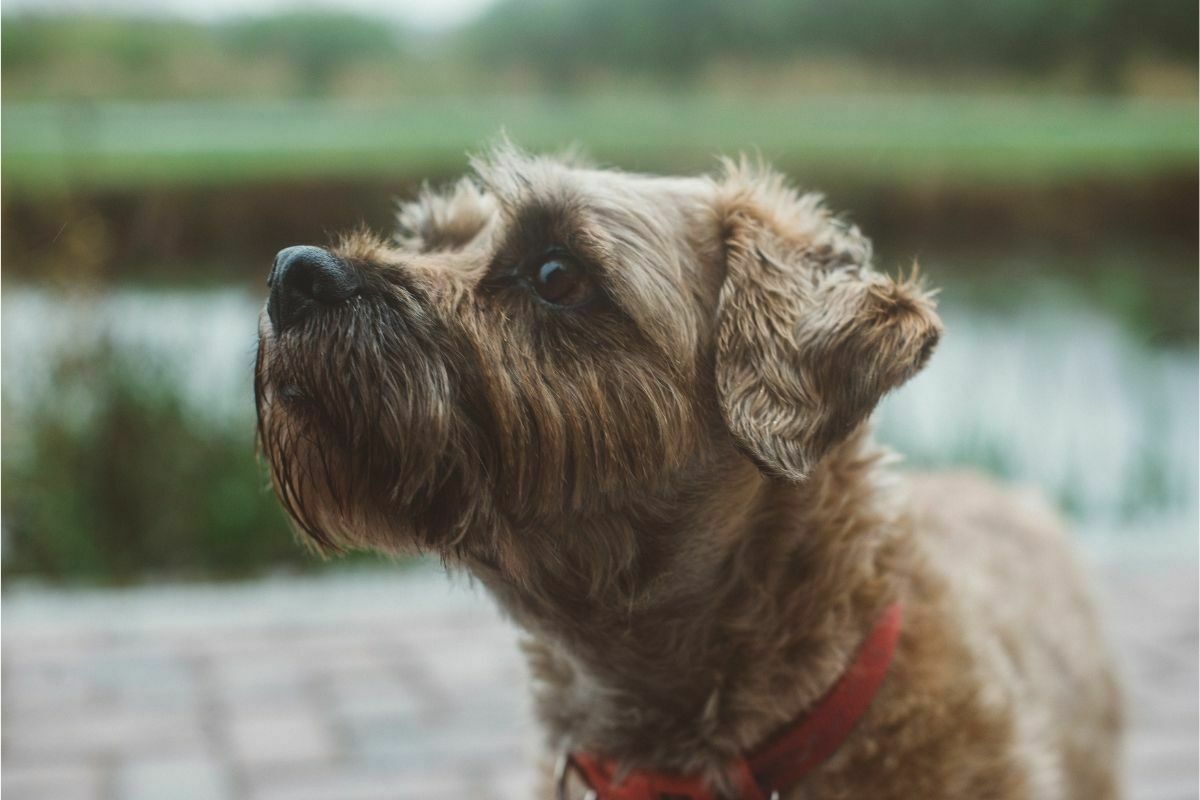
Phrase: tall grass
[127,448]
[1065,400]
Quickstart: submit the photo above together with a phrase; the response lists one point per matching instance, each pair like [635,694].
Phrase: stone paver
[1152,617]
[51,781]
[385,685]
[183,778]
[365,685]
[291,736]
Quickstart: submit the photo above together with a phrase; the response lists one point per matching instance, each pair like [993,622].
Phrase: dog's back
[1018,597]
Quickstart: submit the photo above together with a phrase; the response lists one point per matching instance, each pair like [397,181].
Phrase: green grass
[998,139]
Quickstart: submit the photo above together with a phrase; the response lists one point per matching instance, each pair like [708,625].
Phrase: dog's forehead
[518,181]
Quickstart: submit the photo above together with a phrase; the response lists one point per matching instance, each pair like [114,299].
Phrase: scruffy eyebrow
[543,223]
[515,178]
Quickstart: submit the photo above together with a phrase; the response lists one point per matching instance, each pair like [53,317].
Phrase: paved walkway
[389,684]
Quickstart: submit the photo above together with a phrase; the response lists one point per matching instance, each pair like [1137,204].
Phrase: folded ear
[809,338]
[446,219]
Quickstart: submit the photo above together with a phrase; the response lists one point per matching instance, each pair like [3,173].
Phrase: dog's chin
[321,491]
[342,497]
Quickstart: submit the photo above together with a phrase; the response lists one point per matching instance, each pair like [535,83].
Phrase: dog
[636,409]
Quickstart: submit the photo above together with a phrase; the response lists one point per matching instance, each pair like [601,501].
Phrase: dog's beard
[356,423]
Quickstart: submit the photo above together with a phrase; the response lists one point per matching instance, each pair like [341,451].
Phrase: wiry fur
[673,489]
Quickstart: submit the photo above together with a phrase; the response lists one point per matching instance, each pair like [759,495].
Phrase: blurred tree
[1119,29]
[673,39]
[87,56]
[319,44]
[563,41]
[566,42]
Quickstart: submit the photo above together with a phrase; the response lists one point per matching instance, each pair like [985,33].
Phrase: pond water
[1053,396]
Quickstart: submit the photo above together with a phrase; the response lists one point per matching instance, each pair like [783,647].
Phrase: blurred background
[1038,159]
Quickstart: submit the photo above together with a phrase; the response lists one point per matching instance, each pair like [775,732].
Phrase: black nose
[304,279]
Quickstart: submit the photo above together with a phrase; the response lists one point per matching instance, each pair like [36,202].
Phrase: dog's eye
[562,282]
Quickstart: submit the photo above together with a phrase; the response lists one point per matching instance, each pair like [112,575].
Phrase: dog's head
[547,343]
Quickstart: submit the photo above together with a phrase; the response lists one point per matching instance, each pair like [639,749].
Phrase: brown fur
[673,489]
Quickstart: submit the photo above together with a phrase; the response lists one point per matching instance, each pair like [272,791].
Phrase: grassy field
[988,138]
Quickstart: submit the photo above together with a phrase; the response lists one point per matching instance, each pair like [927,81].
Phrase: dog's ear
[444,220]
[809,337]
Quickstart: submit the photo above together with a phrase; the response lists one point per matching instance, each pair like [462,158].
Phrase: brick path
[384,685]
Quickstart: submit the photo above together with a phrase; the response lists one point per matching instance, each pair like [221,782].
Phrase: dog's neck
[758,595]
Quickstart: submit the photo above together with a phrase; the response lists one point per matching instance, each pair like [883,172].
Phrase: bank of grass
[113,479]
[1000,139]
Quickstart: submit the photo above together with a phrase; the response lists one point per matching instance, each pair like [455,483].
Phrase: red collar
[785,759]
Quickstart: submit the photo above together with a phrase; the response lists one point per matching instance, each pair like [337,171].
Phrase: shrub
[113,478]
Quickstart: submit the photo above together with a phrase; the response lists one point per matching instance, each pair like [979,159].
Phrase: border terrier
[636,408]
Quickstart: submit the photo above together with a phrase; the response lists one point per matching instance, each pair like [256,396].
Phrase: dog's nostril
[315,273]
[304,278]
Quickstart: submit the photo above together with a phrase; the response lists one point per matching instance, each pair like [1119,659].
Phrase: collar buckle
[563,766]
